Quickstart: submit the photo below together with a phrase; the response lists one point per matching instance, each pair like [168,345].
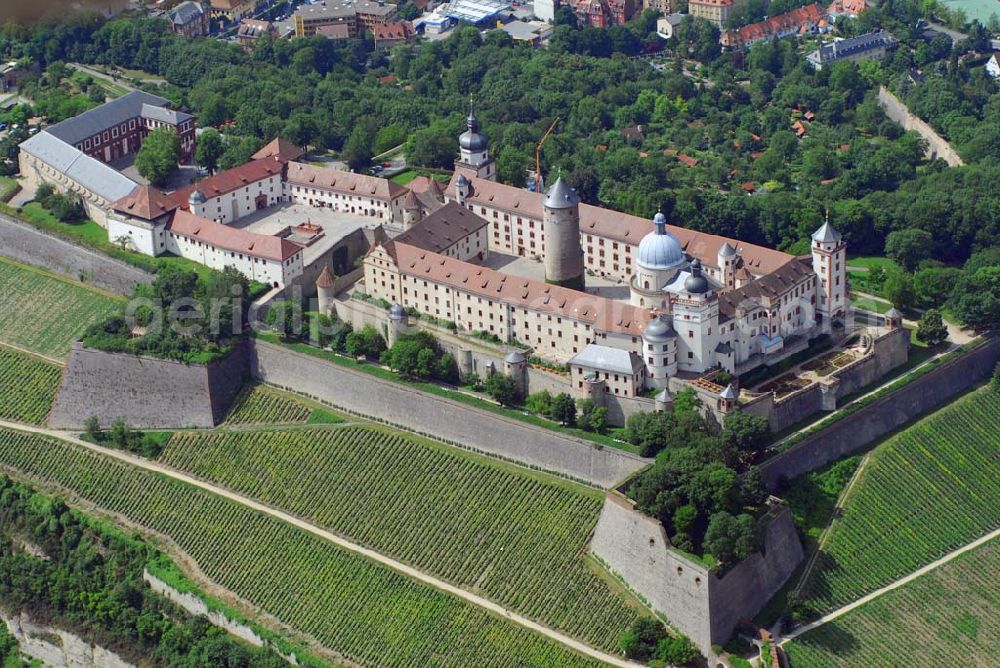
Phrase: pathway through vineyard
[409,571]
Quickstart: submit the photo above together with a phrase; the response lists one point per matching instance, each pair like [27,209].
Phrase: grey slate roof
[163,114]
[186,12]
[92,174]
[89,123]
[605,358]
[844,48]
[894,313]
[826,234]
[561,196]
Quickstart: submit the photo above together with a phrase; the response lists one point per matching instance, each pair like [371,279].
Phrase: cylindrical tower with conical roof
[412,212]
[324,290]
[561,226]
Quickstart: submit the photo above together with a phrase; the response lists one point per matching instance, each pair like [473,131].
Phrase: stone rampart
[883,415]
[440,418]
[24,243]
[937,146]
[146,392]
[701,605]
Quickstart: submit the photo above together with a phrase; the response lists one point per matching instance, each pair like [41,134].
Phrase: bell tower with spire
[829,259]
[474,159]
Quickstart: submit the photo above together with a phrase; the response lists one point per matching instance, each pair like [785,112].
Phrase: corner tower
[829,259]
[474,158]
[561,227]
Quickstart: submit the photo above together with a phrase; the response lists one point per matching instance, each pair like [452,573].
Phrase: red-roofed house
[388,35]
[847,8]
[796,22]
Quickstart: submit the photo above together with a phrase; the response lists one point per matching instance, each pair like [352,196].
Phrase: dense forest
[767,145]
[69,571]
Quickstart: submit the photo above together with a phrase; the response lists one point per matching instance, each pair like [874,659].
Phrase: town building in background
[189,19]
[870,46]
[810,19]
[714,11]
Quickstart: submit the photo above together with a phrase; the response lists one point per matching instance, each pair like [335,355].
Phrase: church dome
[659,249]
[196,197]
[472,139]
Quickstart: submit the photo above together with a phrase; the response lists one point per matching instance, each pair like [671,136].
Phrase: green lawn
[86,231]
[408,175]
[949,617]
[8,187]
[870,262]
[44,312]
[924,492]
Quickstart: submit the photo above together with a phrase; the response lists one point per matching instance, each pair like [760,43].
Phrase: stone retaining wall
[884,415]
[937,146]
[701,605]
[439,418]
[146,392]
[24,243]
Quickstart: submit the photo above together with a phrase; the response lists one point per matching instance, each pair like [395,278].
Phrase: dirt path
[409,571]
[895,585]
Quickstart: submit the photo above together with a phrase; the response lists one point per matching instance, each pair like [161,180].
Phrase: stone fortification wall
[937,146]
[888,351]
[27,244]
[440,418]
[699,604]
[884,415]
[146,392]
[57,648]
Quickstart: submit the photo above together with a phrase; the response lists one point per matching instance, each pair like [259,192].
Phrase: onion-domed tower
[657,261]
[660,350]
[561,226]
[473,151]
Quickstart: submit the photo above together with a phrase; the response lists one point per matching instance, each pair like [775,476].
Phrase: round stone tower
[324,290]
[561,225]
[398,321]
[515,365]
[660,347]
[411,210]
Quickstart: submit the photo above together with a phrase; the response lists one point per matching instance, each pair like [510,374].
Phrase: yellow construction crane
[539,186]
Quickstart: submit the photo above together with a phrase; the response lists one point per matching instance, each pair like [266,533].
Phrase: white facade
[388,210]
[263,270]
[230,206]
[137,235]
[545,10]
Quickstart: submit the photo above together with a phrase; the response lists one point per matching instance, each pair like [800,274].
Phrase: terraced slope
[43,313]
[366,612]
[949,617]
[925,492]
[515,537]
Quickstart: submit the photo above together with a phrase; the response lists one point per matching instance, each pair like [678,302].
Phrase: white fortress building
[696,301]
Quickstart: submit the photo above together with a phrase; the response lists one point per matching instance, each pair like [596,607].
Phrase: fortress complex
[695,302]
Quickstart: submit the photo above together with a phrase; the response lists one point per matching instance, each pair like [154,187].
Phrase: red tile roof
[622,227]
[325,279]
[186,224]
[799,20]
[284,149]
[687,160]
[230,180]
[145,202]
[601,313]
[313,176]
[398,30]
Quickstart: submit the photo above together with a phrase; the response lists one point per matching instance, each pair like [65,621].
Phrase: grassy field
[27,386]
[949,617]
[261,405]
[367,613]
[44,313]
[7,188]
[924,492]
[514,536]
[408,175]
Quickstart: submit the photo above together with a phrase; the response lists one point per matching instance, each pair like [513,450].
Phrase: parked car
[3,126]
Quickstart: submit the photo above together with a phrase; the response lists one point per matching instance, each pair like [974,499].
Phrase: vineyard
[27,386]
[511,536]
[367,613]
[949,617]
[925,492]
[45,313]
[257,404]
